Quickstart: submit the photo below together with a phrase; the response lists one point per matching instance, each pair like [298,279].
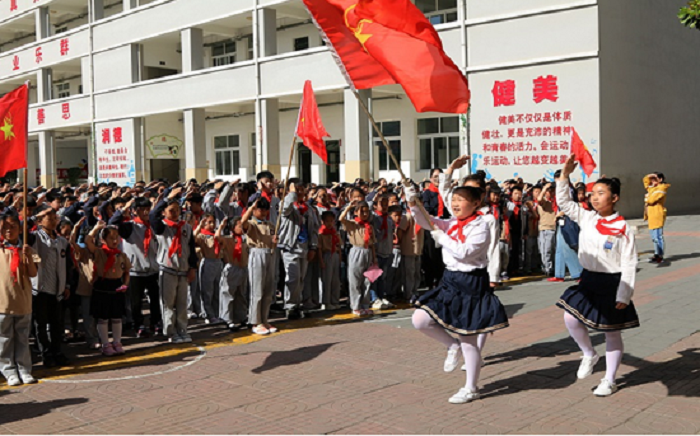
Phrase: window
[228,155]
[223,53]
[60,30]
[438,11]
[438,141]
[63,90]
[301,43]
[392,132]
[251,48]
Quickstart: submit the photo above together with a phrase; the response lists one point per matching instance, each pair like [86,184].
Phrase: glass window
[223,53]
[253,151]
[391,128]
[228,158]
[449,125]
[440,153]
[454,148]
[426,161]
[385,161]
[301,43]
[427,126]
[426,5]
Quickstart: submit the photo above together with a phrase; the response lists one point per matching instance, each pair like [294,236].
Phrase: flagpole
[26,170]
[425,213]
[286,183]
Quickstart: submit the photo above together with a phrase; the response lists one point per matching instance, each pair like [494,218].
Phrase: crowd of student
[226,252]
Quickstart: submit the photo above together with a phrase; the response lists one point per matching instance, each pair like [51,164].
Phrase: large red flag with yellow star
[391,42]
[14,110]
[309,125]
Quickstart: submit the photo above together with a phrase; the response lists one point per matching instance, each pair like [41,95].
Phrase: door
[304,162]
[333,167]
[166,169]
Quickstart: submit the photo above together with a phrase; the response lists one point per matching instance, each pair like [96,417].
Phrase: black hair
[142,202]
[296,181]
[357,189]
[557,174]
[232,223]
[195,198]
[52,196]
[243,187]
[395,209]
[516,188]
[360,205]
[263,204]
[392,194]
[469,192]
[476,178]
[105,232]
[327,214]
[435,169]
[613,184]
[207,215]
[172,201]
[661,176]
[118,200]
[265,175]
[70,198]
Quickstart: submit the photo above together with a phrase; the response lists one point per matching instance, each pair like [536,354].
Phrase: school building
[124,90]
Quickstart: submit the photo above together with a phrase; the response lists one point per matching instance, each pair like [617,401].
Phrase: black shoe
[654,259]
[49,362]
[293,314]
[62,360]
[413,299]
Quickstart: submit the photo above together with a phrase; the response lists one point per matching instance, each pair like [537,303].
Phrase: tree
[690,15]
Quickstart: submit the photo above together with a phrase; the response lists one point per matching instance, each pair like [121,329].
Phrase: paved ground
[337,375]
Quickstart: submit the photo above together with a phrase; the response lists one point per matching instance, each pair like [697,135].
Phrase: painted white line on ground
[389,319]
[202,350]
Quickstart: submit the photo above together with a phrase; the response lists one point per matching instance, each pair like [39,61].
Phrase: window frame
[394,142]
[233,152]
[228,57]
[441,134]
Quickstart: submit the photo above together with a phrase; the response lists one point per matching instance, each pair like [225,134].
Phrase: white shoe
[387,303]
[452,359]
[464,396]
[586,367]
[605,388]
[27,379]
[13,380]
[377,305]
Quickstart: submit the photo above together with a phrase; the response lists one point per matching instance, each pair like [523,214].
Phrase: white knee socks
[423,322]
[614,348]
[472,360]
[117,331]
[103,331]
[579,333]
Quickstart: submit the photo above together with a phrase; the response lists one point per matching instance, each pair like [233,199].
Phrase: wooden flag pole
[286,182]
[405,180]
[26,171]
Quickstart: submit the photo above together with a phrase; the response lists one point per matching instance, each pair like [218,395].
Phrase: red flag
[309,126]
[14,112]
[391,41]
[583,156]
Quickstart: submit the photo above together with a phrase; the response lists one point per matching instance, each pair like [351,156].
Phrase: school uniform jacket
[598,252]
[291,222]
[133,235]
[54,268]
[222,208]
[174,264]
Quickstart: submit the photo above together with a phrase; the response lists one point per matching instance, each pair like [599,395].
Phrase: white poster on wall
[164,146]
[522,119]
[116,152]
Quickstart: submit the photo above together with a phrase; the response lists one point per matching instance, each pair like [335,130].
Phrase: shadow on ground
[34,409]
[277,359]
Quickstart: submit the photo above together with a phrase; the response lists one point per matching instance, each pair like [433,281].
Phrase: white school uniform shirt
[592,254]
[494,254]
[467,256]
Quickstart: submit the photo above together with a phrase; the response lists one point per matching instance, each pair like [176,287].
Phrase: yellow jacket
[655,204]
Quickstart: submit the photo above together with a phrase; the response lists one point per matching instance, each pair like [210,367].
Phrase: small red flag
[14,112]
[391,41]
[309,126]
[583,156]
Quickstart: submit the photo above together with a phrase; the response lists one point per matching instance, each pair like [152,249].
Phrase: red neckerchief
[321,206]
[217,249]
[441,202]
[604,228]
[197,218]
[516,210]
[584,204]
[459,227]
[495,210]
[147,237]
[301,207]
[243,207]
[176,243]
[335,239]
[368,230]
[111,258]
[238,248]
[385,224]
[266,195]
[555,206]
[14,262]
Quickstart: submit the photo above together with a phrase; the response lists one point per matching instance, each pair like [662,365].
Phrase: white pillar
[98,9]
[192,49]
[31,162]
[47,159]
[129,4]
[43,23]
[267,32]
[195,145]
[44,85]
[356,146]
[269,141]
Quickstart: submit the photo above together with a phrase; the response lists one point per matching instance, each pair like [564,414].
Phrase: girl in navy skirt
[602,299]
[463,303]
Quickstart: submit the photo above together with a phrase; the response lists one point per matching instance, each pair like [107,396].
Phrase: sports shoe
[555,280]
[143,333]
[27,379]
[272,328]
[261,330]
[452,359]
[108,350]
[387,303]
[605,388]
[192,316]
[367,312]
[186,338]
[378,305]
[177,339]
[654,259]
[13,380]
[118,349]
[358,312]
[464,396]
[586,367]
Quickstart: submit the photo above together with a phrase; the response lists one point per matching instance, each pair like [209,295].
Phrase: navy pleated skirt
[593,303]
[106,302]
[464,303]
